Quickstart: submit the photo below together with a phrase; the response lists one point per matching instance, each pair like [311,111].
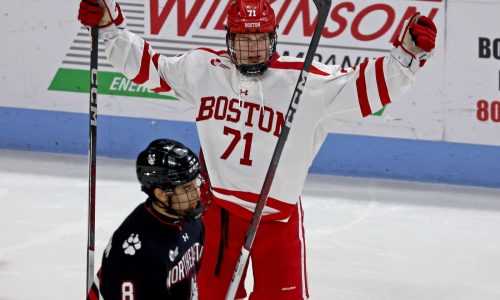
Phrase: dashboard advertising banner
[45,59]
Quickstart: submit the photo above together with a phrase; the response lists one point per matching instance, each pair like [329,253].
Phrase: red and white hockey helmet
[251,17]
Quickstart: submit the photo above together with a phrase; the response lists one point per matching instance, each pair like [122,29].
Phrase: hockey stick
[323,7]
[94,33]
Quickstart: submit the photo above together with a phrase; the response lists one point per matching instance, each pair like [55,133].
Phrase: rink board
[445,129]
[342,154]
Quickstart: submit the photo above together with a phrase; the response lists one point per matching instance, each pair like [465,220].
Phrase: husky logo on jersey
[151,159]
[185,237]
[132,244]
[172,254]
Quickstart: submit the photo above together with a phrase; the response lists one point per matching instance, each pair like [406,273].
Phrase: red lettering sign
[345,17]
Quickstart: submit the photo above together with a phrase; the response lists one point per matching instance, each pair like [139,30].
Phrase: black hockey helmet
[166,164]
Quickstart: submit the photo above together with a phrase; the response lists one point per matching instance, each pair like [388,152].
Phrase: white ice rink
[366,239]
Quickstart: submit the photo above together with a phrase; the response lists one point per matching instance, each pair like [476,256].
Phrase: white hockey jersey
[239,118]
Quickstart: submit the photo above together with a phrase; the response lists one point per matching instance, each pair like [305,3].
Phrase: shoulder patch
[132,244]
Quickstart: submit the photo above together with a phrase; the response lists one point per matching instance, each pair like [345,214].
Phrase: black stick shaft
[94,32]
[323,7]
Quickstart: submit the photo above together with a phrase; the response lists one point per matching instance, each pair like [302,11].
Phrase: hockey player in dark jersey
[156,251]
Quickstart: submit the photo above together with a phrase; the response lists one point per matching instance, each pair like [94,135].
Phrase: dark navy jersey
[151,257]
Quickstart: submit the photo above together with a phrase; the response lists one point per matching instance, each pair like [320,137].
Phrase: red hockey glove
[417,41]
[103,13]
[90,13]
[423,33]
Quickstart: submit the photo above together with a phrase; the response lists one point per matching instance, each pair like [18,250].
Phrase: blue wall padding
[348,155]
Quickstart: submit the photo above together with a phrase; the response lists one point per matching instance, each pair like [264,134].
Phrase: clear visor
[185,197]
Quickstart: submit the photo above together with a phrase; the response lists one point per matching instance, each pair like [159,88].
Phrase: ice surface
[366,238]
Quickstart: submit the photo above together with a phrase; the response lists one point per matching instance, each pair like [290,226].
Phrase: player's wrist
[112,22]
[405,59]
[112,15]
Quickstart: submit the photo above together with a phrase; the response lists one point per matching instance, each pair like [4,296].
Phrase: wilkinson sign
[361,21]
[354,32]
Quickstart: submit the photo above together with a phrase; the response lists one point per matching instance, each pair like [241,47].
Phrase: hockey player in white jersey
[241,95]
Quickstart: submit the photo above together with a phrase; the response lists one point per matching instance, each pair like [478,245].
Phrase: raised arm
[365,89]
[129,53]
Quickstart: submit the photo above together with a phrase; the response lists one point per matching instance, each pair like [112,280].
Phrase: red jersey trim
[362,93]
[164,87]
[293,65]
[381,83]
[284,209]
[155,59]
[143,74]
[246,214]
[219,53]
[160,220]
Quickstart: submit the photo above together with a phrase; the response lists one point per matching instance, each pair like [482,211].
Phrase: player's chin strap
[253,70]
[186,215]
[195,212]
